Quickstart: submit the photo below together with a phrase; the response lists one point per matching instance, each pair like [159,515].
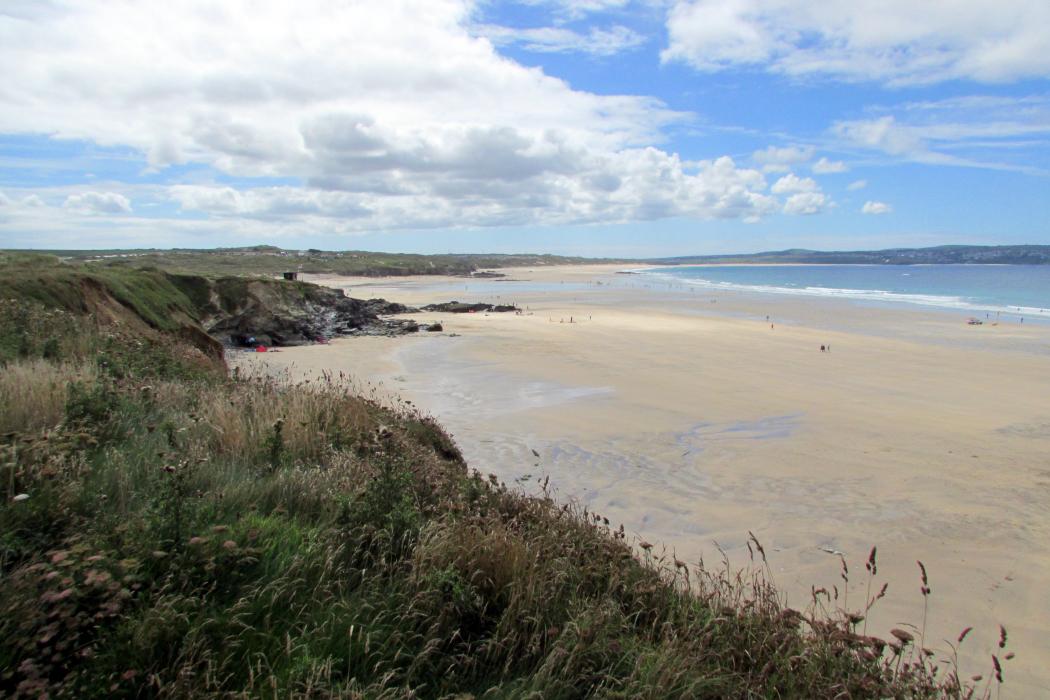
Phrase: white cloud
[575,9]
[391,115]
[597,42]
[804,195]
[268,203]
[806,203]
[780,159]
[871,207]
[793,183]
[27,203]
[857,185]
[829,167]
[883,134]
[956,131]
[631,185]
[97,203]
[892,41]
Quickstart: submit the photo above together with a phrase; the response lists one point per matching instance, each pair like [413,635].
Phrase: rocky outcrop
[458,307]
[244,312]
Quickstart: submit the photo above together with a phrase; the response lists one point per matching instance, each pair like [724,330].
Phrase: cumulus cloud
[829,167]
[596,42]
[804,195]
[267,203]
[806,203]
[780,159]
[630,185]
[793,183]
[891,41]
[98,203]
[22,204]
[857,185]
[872,207]
[387,115]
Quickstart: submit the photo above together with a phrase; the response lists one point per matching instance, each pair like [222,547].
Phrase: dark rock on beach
[386,326]
[247,312]
[458,307]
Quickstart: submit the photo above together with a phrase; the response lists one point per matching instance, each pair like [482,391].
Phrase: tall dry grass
[33,393]
[308,424]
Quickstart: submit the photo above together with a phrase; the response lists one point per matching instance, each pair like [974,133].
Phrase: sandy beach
[691,419]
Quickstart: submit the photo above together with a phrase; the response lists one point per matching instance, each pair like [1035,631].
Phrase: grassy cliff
[188,306]
[167,530]
[270,260]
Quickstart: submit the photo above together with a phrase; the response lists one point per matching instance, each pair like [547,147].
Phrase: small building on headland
[291,276]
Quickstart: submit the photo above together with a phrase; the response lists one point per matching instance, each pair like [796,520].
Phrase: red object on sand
[261,348]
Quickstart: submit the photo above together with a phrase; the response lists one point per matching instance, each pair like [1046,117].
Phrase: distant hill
[940,255]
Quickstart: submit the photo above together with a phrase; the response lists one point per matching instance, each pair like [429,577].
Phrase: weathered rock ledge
[458,307]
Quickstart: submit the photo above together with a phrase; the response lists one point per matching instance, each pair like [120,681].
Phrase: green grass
[268,260]
[148,293]
[186,534]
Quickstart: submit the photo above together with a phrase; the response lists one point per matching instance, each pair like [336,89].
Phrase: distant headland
[939,255]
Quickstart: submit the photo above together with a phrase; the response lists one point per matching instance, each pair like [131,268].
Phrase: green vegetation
[268,260]
[168,530]
[148,293]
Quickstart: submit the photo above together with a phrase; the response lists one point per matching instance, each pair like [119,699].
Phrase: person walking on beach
[822,348]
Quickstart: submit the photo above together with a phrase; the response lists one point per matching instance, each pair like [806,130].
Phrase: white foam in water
[950,302]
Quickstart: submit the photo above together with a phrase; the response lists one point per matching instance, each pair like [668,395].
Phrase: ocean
[1018,290]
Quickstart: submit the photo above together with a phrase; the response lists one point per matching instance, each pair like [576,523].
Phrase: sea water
[1022,290]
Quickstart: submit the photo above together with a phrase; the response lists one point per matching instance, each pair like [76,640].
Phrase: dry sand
[685,416]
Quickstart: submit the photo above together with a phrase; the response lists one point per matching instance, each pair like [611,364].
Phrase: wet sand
[685,416]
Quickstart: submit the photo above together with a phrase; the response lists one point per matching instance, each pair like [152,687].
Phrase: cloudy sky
[595,127]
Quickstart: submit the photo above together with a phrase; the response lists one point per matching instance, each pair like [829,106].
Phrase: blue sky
[594,127]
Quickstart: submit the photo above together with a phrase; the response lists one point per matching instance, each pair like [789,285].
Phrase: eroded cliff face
[99,300]
[241,311]
[206,312]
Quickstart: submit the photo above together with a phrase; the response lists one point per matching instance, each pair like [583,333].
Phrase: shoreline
[942,302]
[691,426]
